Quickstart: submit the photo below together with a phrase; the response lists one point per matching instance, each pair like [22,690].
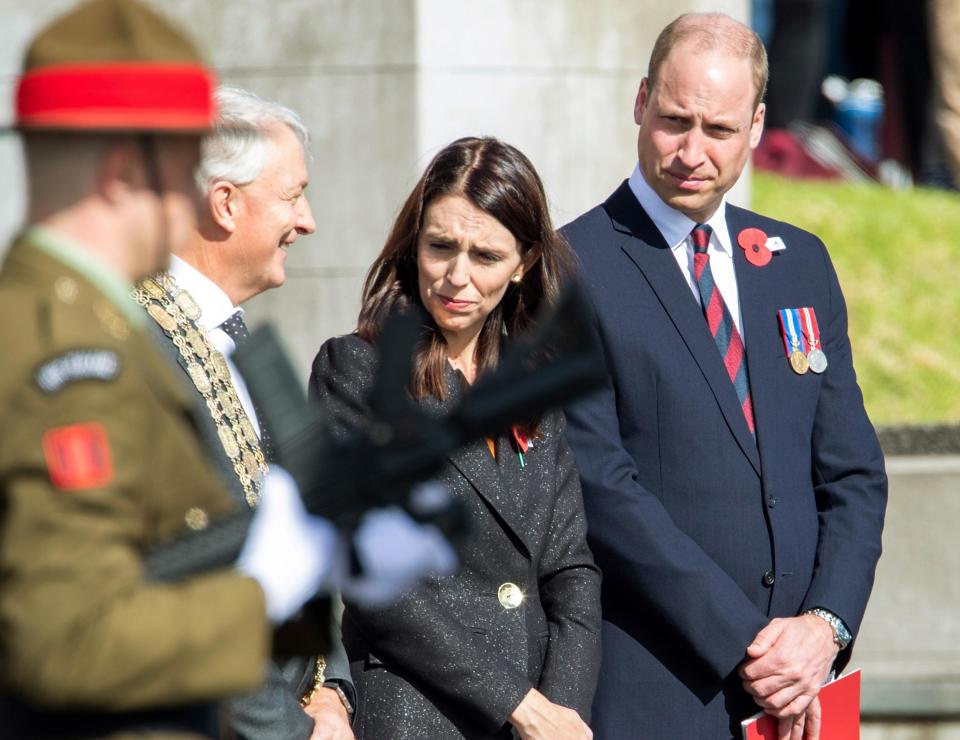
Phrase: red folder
[839,707]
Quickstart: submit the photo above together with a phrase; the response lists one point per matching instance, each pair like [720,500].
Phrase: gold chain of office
[176,312]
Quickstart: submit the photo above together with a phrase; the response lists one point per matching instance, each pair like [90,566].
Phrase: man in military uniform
[252,177]
[101,459]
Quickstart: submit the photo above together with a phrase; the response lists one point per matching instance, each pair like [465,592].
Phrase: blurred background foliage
[898,258]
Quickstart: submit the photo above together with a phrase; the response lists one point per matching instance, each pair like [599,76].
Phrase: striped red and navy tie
[720,321]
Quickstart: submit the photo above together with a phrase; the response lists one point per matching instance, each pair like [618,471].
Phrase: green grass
[898,257]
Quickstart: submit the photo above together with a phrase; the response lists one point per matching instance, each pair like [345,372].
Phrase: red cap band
[135,96]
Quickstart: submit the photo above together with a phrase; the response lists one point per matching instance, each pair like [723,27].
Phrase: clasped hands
[787,663]
[330,718]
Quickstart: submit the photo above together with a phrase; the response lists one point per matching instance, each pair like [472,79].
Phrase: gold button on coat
[196,519]
[510,595]
[66,289]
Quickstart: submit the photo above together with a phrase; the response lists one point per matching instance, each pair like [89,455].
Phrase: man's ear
[643,94]
[223,204]
[120,171]
[756,125]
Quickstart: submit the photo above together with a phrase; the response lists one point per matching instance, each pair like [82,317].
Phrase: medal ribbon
[790,328]
[810,328]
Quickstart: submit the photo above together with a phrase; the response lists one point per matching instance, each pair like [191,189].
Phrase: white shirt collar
[673,225]
[215,306]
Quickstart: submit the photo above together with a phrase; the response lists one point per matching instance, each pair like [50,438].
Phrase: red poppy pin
[753,242]
[523,444]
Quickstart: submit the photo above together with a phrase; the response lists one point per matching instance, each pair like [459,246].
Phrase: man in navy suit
[734,486]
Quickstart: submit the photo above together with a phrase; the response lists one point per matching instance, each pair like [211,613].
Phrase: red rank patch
[78,456]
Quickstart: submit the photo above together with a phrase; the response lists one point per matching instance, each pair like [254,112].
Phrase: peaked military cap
[114,65]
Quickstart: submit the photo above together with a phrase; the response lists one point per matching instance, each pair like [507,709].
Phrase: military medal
[815,357]
[799,362]
[817,360]
[793,340]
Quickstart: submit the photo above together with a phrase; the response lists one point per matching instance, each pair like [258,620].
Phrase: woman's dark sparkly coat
[448,660]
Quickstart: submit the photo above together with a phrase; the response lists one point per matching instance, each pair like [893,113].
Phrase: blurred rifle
[403,445]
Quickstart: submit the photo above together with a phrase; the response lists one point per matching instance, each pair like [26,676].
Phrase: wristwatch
[841,635]
[342,695]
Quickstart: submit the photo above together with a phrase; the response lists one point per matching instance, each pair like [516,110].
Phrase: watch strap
[841,635]
[344,699]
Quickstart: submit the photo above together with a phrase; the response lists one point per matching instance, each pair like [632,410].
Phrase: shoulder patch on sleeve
[77,364]
[78,456]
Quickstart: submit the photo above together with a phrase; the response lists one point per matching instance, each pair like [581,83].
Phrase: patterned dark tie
[236,329]
[720,322]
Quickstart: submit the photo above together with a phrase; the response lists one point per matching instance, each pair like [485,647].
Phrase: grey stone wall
[383,85]
[909,643]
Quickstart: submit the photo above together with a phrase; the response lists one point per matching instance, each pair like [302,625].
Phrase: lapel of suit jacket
[477,466]
[646,248]
[760,290]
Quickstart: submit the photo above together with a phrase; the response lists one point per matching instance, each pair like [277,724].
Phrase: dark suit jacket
[274,711]
[448,660]
[703,533]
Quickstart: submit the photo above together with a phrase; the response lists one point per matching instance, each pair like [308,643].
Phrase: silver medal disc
[817,360]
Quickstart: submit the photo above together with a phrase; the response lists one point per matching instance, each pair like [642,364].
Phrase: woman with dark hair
[511,643]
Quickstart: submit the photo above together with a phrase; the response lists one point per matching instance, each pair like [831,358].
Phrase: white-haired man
[252,177]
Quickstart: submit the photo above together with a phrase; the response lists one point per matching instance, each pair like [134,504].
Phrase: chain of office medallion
[175,310]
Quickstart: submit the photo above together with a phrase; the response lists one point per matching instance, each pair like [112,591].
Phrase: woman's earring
[516,279]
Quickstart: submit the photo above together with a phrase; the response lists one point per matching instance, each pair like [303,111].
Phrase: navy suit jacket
[703,533]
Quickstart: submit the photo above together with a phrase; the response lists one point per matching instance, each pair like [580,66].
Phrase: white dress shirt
[215,308]
[676,227]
